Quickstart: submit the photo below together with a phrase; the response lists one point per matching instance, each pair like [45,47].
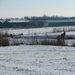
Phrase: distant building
[14,23]
[22,23]
[54,23]
[46,23]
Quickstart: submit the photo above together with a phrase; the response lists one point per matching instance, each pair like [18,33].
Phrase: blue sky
[21,8]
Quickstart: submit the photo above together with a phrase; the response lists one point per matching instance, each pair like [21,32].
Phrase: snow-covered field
[43,32]
[40,31]
[37,60]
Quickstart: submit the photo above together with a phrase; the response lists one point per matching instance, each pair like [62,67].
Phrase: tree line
[44,17]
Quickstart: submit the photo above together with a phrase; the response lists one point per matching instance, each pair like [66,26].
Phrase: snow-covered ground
[37,60]
[40,31]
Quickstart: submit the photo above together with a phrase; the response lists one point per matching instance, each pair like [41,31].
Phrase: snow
[37,60]
[44,30]
[25,38]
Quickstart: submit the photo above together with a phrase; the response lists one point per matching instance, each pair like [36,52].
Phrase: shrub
[61,43]
[20,34]
[69,37]
[53,42]
[73,45]
[16,42]
[7,35]
[49,42]
[4,41]
[4,34]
